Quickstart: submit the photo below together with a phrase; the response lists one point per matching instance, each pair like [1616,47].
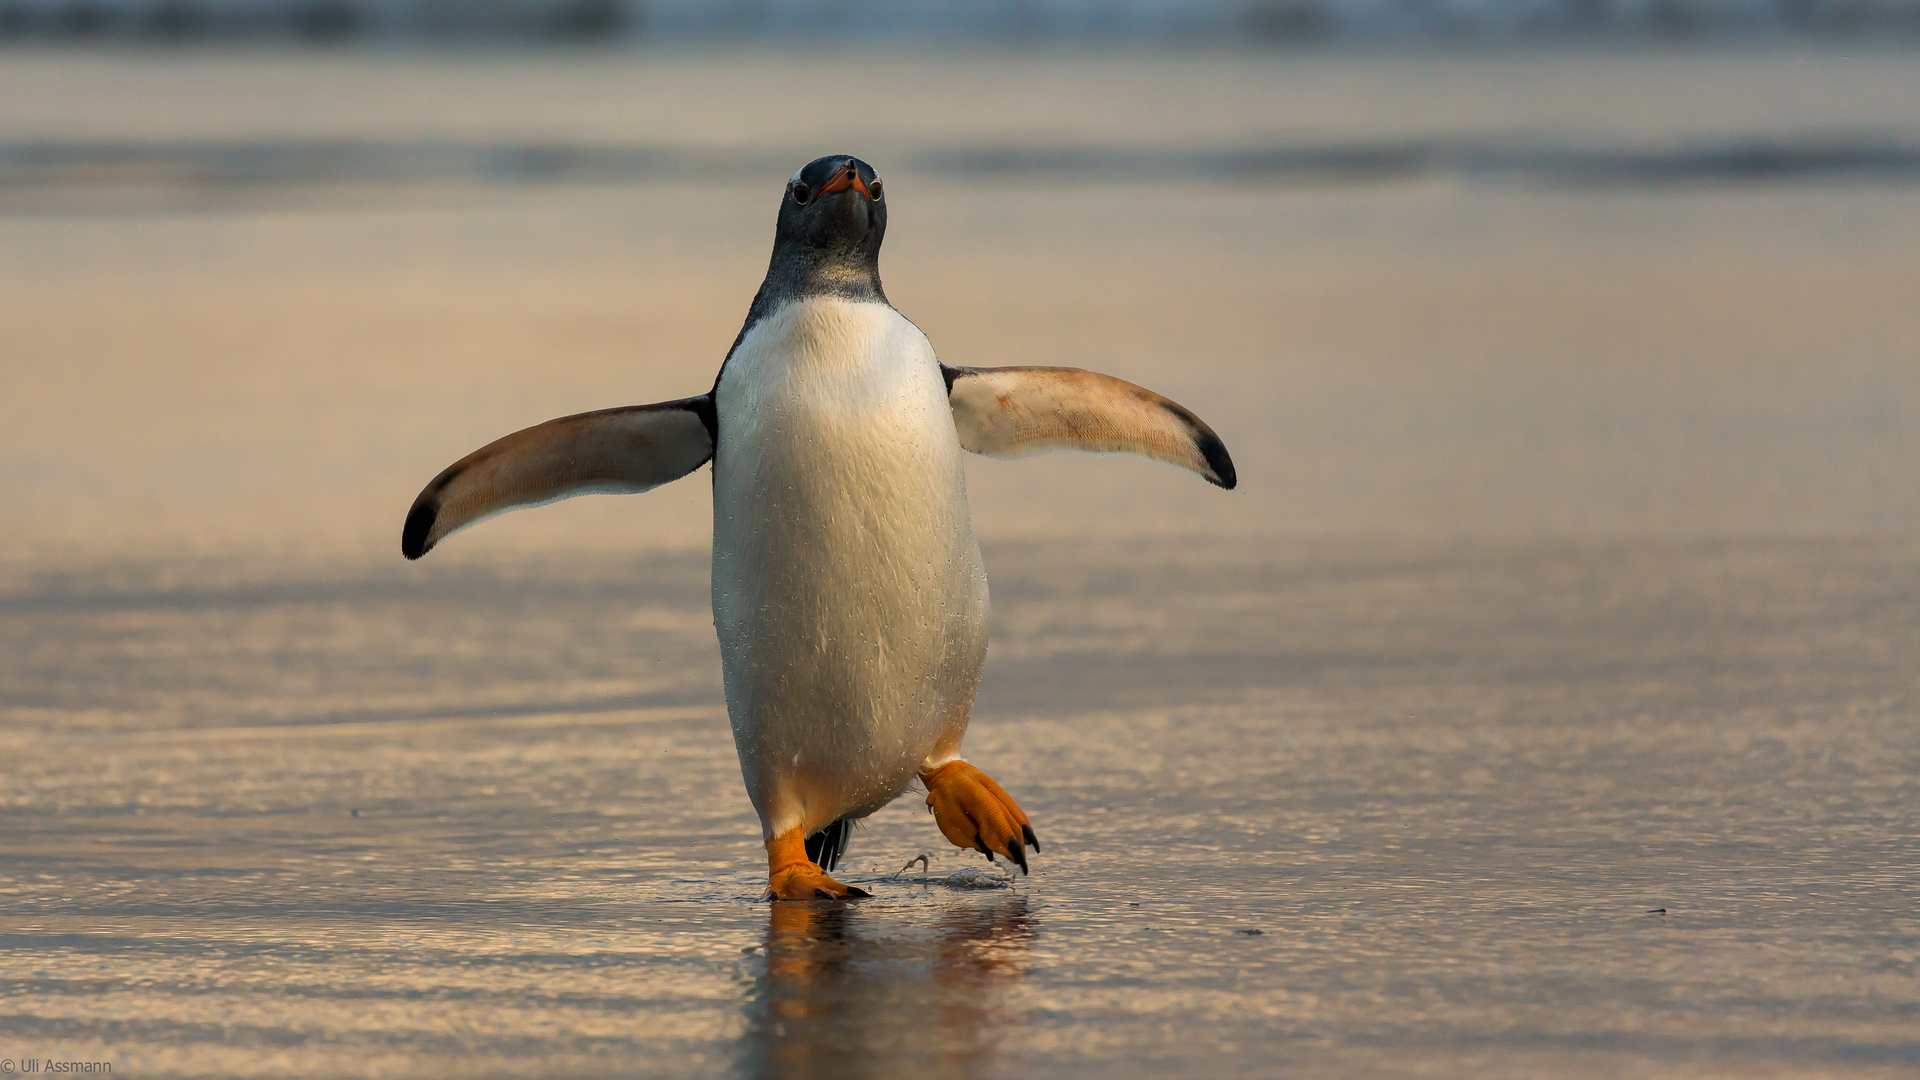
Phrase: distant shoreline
[1194,23]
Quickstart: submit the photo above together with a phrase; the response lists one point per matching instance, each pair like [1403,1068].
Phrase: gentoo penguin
[848,590]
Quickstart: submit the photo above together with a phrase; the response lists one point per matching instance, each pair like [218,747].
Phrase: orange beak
[847,177]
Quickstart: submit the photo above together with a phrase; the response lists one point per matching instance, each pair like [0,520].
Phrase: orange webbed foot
[793,876]
[974,812]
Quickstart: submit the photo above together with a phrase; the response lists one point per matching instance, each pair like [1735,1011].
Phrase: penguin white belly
[848,591]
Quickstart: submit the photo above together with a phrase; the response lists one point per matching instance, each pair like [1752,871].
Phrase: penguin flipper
[1014,411]
[620,451]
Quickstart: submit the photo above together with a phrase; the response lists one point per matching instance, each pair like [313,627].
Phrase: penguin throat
[854,275]
[842,276]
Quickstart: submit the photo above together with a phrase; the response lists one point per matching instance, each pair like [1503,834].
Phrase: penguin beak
[847,177]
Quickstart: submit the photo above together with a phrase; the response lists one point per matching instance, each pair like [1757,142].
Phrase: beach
[1542,702]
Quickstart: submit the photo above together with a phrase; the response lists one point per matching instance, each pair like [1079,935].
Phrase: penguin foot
[793,876]
[974,812]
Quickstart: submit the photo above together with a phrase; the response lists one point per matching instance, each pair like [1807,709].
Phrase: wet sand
[1574,579]
[1307,809]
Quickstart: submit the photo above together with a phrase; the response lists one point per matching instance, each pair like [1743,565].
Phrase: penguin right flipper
[620,451]
[1015,411]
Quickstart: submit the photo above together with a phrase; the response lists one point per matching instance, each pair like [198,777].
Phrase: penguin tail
[827,846]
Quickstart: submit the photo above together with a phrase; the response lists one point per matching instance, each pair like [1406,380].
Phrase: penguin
[849,595]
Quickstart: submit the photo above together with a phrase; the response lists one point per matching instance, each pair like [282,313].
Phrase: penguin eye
[873,190]
[801,193]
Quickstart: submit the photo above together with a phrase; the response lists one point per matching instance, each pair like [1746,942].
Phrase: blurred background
[1025,22]
[255,294]
[1543,697]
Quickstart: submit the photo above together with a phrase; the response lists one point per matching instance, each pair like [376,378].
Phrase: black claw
[1032,840]
[1017,853]
[855,892]
[822,894]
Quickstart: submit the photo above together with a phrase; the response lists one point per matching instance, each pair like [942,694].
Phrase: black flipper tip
[413,536]
[1212,450]
[1215,452]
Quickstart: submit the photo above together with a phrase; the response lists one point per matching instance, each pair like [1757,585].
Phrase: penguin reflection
[847,993]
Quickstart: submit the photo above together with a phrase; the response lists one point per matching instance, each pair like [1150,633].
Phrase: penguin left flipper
[1015,411]
[621,451]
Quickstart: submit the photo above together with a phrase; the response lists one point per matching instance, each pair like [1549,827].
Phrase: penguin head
[833,216]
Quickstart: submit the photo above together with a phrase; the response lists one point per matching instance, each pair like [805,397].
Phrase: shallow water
[1543,703]
[1306,809]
